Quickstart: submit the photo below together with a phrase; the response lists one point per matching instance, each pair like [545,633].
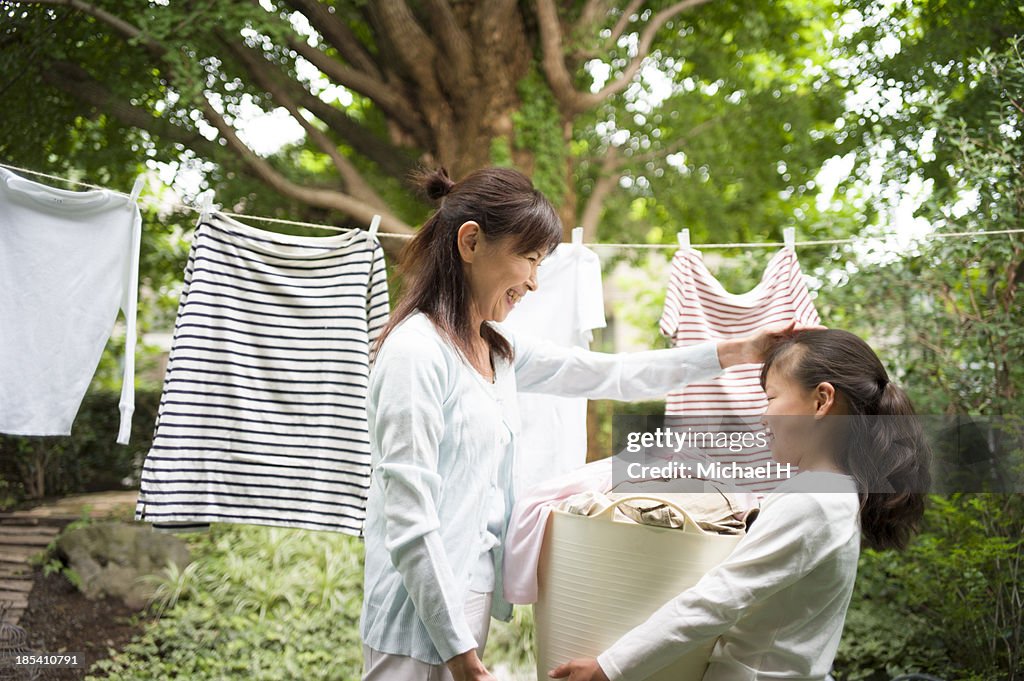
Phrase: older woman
[443,420]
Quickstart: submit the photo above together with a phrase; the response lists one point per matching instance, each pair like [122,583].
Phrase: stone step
[18,518]
[40,540]
[20,585]
[21,570]
[13,616]
[17,554]
[18,531]
[14,599]
[38,516]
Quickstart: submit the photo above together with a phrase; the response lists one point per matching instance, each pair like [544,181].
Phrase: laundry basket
[599,577]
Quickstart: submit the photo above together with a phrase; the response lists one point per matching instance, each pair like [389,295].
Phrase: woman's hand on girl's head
[752,349]
[580,669]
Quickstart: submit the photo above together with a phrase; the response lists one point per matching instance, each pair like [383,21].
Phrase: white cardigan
[778,601]
[442,441]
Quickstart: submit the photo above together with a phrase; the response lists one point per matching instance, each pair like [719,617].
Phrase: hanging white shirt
[567,305]
[68,262]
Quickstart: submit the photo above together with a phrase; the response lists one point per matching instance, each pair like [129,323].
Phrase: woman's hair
[506,206]
[888,457]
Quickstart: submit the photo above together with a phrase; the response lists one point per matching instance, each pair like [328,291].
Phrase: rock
[112,558]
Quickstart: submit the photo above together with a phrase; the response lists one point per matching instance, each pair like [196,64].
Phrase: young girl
[778,603]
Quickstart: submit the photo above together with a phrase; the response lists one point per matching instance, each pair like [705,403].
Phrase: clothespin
[207,207]
[684,238]
[140,182]
[577,236]
[374,224]
[789,237]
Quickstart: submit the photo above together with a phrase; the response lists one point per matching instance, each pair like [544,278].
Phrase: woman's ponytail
[435,184]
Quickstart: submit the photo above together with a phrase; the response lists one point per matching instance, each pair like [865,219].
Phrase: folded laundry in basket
[715,506]
[720,511]
[587,503]
[711,512]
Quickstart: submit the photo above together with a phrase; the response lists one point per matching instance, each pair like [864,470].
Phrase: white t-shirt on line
[68,262]
[567,305]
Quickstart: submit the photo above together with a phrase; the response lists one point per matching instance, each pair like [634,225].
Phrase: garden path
[27,532]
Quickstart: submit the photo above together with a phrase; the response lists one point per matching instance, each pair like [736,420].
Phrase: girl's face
[793,418]
[498,276]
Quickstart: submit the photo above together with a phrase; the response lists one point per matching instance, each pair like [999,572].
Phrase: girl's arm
[545,367]
[789,538]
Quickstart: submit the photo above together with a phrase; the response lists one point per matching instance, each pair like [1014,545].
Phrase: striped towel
[263,414]
[698,309]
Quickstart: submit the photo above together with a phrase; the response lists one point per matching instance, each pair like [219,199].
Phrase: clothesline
[295,223]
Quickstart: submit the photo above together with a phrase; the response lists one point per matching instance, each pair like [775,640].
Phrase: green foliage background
[944,314]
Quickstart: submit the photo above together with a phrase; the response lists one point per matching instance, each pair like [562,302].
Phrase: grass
[271,603]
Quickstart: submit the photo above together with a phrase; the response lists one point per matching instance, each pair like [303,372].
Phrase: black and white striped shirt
[263,413]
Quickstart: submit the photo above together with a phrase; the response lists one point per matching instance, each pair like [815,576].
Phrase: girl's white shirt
[777,604]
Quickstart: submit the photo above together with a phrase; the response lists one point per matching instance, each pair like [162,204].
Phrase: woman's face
[498,276]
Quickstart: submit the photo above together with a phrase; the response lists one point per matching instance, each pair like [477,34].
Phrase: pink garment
[698,309]
[525,533]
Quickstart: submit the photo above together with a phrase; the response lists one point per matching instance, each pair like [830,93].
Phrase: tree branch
[606,181]
[643,49]
[412,45]
[390,158]
[338,35]
[77,82]
[387,98]
[456,44]
[323,198]
[593,12]
[418,56]
[623,22]
[613,163]
[257,67]
[571,100]
[584,31]
[359,210]
[126,29]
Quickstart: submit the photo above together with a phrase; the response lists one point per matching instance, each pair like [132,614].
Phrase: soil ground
[59,619]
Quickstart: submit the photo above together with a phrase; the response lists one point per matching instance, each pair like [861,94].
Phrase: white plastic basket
[599,577]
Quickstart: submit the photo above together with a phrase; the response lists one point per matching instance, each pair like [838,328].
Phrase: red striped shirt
[698,309]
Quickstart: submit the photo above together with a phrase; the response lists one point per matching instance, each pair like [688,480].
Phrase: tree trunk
[568,211]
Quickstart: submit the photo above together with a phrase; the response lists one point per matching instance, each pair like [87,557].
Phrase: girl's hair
[506,206]
[888,456]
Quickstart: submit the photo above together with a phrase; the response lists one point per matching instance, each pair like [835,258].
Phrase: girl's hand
[468,667]
[580,669]
[753,348]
